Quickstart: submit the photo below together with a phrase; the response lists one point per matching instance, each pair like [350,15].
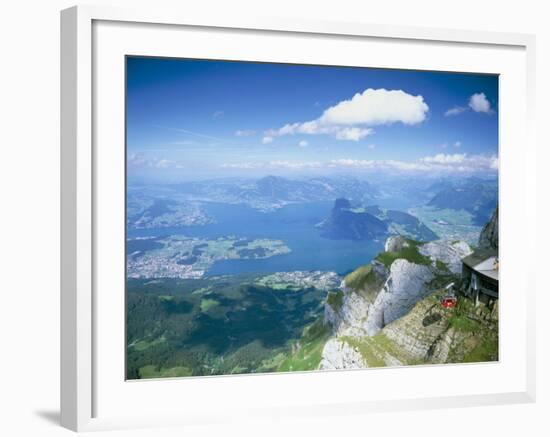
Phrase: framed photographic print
[332,214]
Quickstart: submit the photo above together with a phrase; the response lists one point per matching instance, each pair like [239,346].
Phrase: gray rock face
[421,341]
[362,315]
[405,286]
[450,253]
[351,318]
[340,355]
[395,244]
[488,238]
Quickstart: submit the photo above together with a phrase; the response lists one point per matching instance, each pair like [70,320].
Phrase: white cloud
[139,160]
[352,133]
[352,119]
[242,165]
[457,144]
[245,133]
[479,103]
[442,158]
[267,140]
[439,163]
[455,111]
[376,107]
[303,143]
[294,165]
[381,164]
[461,162]
[278,164]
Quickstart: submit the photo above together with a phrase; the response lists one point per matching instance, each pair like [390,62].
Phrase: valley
[220,325]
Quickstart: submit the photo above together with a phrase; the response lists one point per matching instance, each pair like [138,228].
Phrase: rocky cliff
[488,238]
[388,312]
[427,334]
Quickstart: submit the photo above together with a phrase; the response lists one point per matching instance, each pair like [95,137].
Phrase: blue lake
[293,224]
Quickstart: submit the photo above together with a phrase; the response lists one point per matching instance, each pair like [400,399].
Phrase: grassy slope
[152,371]
[308,353]
[335,299]
[409,253]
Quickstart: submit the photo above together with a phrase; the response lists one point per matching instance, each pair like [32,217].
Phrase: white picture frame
[88,402]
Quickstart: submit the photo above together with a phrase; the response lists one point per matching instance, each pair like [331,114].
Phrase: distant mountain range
[147,212]
[372,222]
[477,196]
[272,192]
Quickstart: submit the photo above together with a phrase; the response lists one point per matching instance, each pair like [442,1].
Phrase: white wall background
[29,217]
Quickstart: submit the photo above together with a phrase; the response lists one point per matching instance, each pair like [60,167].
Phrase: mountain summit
[346,223]
[349,223]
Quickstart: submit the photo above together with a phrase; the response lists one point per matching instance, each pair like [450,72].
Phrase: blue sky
[197,119]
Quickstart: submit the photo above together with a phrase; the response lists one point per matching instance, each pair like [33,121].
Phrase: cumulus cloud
[267,139]
[479,103]
[303,143]
[352,119]
[377,106]
[352,133]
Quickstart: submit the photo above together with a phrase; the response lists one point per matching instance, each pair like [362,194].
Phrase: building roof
[482,261]
[478,256]
[493,274]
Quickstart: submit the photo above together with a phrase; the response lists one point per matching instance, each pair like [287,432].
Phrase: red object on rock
[448,302]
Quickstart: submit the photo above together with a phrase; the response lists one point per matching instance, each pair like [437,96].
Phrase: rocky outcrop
[422,333]
[381,309]
[338,354]
[488,238]
[430,333]
[450,253]
[427,334]
[406,285]
[358,293]
[395,244]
